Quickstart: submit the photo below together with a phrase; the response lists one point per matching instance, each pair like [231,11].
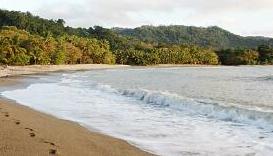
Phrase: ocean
[166,111]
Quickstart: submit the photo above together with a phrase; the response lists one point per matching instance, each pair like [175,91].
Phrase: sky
[243,17]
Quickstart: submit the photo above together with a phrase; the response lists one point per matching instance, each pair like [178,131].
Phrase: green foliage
[30,23]
[59,55]
[213,37]
[172,55]
[266,54]
[239,57]
[18,47]
[42,41]
[249,57]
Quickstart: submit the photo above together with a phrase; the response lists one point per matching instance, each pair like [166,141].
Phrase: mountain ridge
[212,36]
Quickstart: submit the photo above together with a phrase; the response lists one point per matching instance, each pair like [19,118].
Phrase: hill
[214,37]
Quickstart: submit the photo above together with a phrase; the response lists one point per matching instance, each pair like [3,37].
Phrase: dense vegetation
[26,39]
[261,55]
[214,37]
[19,47]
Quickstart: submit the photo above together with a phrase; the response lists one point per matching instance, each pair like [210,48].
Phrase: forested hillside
[26,39]
[214,37]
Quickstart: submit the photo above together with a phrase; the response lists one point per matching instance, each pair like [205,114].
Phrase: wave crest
[206,108]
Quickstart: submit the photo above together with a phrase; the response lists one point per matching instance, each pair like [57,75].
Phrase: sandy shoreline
[35,69]
[27,132]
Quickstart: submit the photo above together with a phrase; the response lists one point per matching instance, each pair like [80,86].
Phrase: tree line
[26,39]
[262,55]
[19,47]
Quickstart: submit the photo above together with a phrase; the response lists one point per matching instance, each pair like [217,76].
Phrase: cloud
[245,17]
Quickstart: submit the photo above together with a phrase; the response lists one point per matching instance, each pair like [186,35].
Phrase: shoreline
[6,71]
[29,132]
[36,69]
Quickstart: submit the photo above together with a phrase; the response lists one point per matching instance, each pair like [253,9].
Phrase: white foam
[207,108]
[161,122]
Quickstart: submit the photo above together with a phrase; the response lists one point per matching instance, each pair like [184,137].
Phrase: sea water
[166,111]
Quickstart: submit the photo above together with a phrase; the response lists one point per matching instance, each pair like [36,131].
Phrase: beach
[27,132]
[34,69]
[121,110]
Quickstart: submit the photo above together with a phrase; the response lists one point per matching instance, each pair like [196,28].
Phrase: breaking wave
[206,108]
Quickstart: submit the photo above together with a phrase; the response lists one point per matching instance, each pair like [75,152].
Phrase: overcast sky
[244,17]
